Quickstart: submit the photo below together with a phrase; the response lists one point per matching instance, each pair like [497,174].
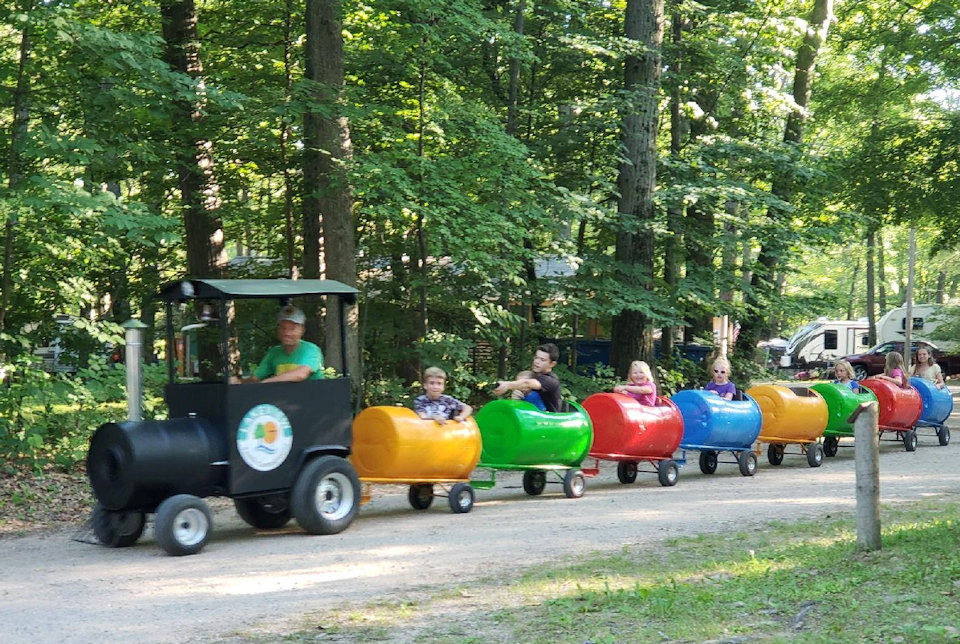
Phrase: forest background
[488,173]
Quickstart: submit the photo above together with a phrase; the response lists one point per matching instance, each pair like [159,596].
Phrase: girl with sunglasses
[721,384]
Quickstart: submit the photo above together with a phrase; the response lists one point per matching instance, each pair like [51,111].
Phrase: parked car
[871,362]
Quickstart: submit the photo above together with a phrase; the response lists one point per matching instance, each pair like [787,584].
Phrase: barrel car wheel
[116,529]
[708,462]
[420,496]
[667,472]
[534,481]
[573,484]
[265,512]
[326,495]
[748,463]
[943,435]
[910,440]
[814,454]
[830,445]
[775,454]
[461,498]
[182,524]
[627,471]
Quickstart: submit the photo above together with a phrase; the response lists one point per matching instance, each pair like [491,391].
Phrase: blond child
[843,371]
[434,404]
[640,385]
[721,384]
[893,370]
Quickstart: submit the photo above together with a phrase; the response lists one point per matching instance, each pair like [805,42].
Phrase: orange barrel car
[394,445]
[841,402]
[899,409]
[791,416]
[630,433]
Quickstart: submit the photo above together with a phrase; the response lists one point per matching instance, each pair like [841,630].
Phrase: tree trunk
[18,135]
[673,243]
[285,134]
[941,286]
[326,185]
[199,192]
[881,272]
[871,290]
[698,238]
[636,179]
[853,290]
[759,298]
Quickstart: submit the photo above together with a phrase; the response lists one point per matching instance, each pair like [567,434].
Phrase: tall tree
[643,24]
[199,192]
[14,169]
[327,200]
[774,248]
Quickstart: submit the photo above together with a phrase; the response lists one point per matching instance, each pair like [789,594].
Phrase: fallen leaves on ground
[39,501]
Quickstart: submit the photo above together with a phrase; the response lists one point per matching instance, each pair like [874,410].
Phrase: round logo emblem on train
[264,438]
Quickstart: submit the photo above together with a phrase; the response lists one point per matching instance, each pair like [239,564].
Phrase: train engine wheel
[266,512]
[326,495]
[116,529]
[182,524]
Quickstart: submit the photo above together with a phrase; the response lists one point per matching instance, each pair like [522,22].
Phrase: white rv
[820,343]
[892,326]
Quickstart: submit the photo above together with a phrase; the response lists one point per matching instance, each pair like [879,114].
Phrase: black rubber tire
[461,498]
[814,455]
[747,461]
[859,372]
[943,435]
[830,445]
[182,525]
[326,495]
[116,529]
[420,496]
[574,484]
[534,481]
[775,454]
[668,473]
[266,512]
[910,440]
[627,471]
[708,462]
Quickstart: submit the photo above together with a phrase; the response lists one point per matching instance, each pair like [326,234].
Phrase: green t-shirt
[278,361]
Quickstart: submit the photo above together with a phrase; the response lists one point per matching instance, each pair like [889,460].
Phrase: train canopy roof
[224,289]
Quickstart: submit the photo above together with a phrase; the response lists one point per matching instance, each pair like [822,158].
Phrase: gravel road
[55,589]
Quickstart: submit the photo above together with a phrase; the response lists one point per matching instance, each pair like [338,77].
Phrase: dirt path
[53,589]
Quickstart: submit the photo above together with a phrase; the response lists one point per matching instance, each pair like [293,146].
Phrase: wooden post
[867,462]
[908,322]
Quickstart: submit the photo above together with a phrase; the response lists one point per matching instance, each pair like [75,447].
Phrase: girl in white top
[926,367]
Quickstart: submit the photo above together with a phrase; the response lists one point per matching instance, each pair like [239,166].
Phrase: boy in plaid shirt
[434,404]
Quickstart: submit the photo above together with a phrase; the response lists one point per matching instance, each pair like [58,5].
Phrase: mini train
[294,450]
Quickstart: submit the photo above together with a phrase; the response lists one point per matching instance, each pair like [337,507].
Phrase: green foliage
[577,387]
[48,418]
[679,374]
[496,188]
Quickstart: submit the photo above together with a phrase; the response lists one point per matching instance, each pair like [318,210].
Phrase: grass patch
[797,582]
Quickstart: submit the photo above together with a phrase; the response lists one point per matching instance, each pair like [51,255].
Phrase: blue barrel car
[713,425]
[937,407]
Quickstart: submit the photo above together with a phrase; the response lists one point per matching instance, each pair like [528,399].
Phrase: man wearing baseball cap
[294,359]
